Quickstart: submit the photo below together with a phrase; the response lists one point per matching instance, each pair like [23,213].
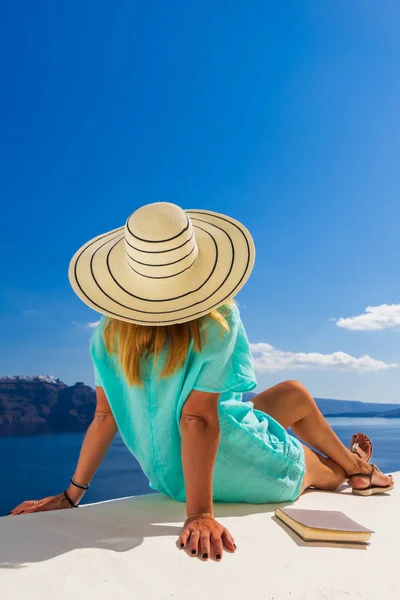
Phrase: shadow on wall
[118,525]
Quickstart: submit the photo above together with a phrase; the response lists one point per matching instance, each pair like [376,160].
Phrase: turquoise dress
[257,461]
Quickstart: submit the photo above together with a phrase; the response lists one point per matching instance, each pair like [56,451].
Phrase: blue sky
[282,115]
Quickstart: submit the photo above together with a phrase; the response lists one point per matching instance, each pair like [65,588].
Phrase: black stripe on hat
[164,276]
[138,297]
[159,251]
[164,264]
[164,321]
[159,241]
[164,299]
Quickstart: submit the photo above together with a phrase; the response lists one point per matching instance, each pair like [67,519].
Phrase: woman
[171,361]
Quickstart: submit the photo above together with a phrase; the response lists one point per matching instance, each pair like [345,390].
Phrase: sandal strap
[354,447]
[365,475]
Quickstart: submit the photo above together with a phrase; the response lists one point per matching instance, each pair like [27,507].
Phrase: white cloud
[91,324]
[374,318]
[268,358]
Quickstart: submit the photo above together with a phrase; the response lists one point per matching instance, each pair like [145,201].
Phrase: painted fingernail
[218,556]
[193,551]
[182,545]
[235,545]
[205,555]
[9,513]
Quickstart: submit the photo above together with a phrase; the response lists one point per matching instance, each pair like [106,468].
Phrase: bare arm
[97,441]
[95,445]
[200,434]
[200,441]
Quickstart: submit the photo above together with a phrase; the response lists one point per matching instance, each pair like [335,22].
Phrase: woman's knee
[295,389]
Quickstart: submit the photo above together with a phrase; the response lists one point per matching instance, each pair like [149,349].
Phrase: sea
[35,467]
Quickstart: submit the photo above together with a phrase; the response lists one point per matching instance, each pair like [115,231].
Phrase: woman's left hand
[204,534]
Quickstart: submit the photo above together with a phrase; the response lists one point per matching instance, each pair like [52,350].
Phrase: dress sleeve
[97,379]
[227,364]
[95,350]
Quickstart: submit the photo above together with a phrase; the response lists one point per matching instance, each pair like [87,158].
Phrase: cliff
[43,404]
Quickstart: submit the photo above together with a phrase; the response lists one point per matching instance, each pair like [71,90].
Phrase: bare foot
[378,479]
[364,451]
[361,445]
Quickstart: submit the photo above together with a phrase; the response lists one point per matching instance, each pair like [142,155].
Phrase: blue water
[35,467]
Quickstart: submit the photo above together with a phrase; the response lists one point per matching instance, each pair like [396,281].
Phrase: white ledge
[125,549]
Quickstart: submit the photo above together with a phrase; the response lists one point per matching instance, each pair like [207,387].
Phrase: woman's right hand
[203,534]
[50,503]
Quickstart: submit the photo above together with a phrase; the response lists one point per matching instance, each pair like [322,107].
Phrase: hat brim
[101,276]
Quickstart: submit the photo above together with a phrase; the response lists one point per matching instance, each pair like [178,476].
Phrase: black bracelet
[69,500]
[79,485]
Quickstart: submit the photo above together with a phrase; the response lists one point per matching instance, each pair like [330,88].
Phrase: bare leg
[291,405]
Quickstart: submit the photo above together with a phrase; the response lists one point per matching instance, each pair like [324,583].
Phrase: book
[323,525]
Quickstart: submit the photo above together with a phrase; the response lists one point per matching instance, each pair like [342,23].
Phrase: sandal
[354,445]
[370,490]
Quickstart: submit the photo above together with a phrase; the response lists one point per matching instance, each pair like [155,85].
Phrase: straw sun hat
[164,266]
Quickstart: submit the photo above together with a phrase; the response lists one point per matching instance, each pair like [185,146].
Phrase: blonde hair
[130,342]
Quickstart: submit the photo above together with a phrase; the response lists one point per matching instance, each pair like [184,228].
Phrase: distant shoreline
[361,416]
[44,405]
